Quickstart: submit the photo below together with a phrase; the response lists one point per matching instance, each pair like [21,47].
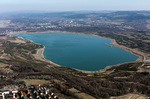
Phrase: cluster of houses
[3,34]
[34,91]
[146,64]
[42,92]
[9,92]
[147,67]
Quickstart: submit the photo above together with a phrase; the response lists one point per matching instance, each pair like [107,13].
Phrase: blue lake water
[84,52]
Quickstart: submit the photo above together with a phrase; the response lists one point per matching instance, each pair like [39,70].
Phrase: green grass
[16,49]
[27,62]
[34,51]
[126,67]
[70,70]
[28,46]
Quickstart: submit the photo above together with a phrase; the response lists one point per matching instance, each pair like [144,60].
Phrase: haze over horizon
[72,5]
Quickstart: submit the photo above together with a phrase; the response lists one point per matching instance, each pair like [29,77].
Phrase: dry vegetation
[122,79]
[127,81]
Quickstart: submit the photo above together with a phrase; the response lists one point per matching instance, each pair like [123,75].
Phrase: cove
[83,52]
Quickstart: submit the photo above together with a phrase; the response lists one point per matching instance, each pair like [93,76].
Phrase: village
[22,91]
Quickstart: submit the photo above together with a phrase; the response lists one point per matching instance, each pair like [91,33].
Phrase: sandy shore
[54,32]
[103,70]
[136,52]
[142,56]
[42,58]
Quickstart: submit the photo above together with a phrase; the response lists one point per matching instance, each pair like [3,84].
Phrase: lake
[84,52]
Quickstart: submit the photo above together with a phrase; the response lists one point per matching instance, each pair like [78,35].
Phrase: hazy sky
[72,5]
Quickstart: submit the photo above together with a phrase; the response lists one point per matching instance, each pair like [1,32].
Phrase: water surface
[84,52]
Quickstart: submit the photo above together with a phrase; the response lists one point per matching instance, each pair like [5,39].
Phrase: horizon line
[38,11]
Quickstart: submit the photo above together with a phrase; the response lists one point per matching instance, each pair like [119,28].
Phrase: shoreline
[141,56]
[37,56]
[41,57]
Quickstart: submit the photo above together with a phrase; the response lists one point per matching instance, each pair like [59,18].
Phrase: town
[21,91]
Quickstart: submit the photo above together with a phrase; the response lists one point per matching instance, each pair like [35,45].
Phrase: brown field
[81,95]
[35,81]
[130,96]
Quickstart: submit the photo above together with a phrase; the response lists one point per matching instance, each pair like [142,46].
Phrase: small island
[108,45]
